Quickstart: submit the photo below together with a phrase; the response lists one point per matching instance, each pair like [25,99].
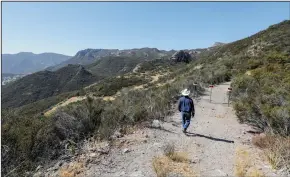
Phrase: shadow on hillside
[208,137]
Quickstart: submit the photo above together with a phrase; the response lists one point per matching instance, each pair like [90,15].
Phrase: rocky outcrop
[218,44]
[181,56]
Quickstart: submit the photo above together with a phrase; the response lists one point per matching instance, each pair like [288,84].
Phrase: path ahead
[214,138]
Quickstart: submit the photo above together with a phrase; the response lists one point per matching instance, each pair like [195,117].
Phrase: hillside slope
[45,84]
[27,62]
[274,38]
[110,66]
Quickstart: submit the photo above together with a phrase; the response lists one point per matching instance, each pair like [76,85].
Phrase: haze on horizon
[67,27]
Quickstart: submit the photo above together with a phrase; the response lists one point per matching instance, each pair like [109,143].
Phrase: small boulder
[181,56]
[156,124]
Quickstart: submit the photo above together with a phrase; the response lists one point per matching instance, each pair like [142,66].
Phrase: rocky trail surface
[216,145]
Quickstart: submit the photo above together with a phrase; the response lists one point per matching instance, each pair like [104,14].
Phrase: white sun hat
[185,92]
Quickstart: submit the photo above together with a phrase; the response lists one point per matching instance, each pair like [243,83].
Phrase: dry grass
[64,103]
[254,172]
[244,164]
[277,150]
[220,116]
[164,165]
[172,162]
[179,157]
[262,141]
[109,98]
[169,151]
[161,166]
[72,170]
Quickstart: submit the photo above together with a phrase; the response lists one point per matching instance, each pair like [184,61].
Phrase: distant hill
[27,62]
[89,56]
[44,84]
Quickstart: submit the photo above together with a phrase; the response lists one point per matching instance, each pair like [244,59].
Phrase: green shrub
[263,99]
[18,137]
[110,86]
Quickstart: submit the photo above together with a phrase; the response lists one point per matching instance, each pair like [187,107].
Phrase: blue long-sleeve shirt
[186,105]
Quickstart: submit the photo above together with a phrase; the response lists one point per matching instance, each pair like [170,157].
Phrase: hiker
[186,108]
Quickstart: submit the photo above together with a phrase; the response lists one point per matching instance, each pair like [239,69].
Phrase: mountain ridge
[89,56]
[28,62]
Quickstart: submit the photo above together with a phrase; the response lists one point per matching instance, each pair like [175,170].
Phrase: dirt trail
[64,103]
[213,139]
[155,78]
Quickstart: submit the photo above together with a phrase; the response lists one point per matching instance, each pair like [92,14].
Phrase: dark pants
[185,116]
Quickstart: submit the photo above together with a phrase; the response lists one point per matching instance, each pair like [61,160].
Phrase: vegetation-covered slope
[259,66]
[27,62]
[110,66]
[45,84]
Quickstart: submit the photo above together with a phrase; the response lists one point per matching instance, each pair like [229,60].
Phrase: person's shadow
[208,137]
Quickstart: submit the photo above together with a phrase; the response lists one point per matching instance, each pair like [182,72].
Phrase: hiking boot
[184,130]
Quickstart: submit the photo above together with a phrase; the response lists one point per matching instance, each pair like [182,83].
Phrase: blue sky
[67,27]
